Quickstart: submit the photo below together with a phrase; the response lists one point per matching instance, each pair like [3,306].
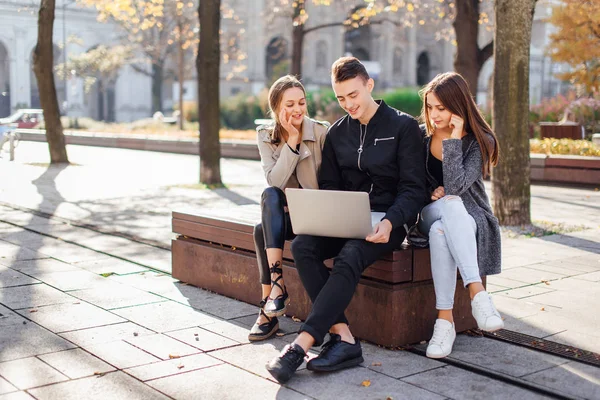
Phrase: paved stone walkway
[87,314]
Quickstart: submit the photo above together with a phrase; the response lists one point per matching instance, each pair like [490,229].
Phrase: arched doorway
[58,81]
[423,69]
[4,81]
[276,63]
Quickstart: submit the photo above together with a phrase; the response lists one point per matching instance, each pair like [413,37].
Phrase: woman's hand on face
[457,124]
[381,232]
[438,193]
[293,133]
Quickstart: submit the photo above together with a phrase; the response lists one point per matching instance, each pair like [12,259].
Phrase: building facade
[256,46]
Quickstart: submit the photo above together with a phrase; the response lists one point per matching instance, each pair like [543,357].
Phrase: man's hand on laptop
[381,232]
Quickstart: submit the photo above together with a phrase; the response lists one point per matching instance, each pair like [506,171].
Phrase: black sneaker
[336,355]
[265,330]
[283,366]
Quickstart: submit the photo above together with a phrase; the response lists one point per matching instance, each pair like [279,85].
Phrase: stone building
[397,57]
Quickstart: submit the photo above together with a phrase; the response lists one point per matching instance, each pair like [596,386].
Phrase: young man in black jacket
[374,149]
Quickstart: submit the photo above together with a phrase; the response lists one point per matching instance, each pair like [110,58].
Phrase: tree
[353,16]
[207,66]
[43,61]
[510,179]
[149,26]
[577,42]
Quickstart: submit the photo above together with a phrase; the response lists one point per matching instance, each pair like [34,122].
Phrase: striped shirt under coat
[462,164]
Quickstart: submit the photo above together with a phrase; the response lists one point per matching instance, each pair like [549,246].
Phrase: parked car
[24,118]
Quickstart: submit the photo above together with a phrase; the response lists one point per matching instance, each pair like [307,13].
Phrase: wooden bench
[394,303]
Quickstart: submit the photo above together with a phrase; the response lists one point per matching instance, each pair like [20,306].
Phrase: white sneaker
[442,340]
[485,313]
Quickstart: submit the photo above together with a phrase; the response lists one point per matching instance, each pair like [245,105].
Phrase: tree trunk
[297,47]
[157,86]
[469,57]
[297,41]
[207,66]
[510,179]
[43,66]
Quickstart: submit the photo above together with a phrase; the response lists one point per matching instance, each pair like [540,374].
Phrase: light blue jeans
[452,243]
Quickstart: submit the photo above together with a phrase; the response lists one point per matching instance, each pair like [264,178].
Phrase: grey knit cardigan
[462,164]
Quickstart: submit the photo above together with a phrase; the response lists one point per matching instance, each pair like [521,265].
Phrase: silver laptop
[331,213]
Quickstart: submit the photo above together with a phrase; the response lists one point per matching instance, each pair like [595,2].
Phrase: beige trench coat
[285,169]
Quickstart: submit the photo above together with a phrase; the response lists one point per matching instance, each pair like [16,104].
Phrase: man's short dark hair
[345,68]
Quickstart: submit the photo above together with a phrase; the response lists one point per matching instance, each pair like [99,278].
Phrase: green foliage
[405,99]
[239,112]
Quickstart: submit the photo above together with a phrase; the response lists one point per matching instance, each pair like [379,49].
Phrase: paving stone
[111,265]
[556,270]
[73,280]
[6,387]
[162,346]
[153,282]
[105,334]
[121,354]
[150,256]
[524,292]
[348,383]
[501,356]
[530,275]
[76,363]
[70,253]
[32,267]
[396,363]
[510,307]
[581,264]
[507,283]
[173,367]
[202,339]
[114,385]
[460,384]
[166,316]
[574,379]
[9,277]
[33,296]
[69,317]
[238,384]
[8,317]
[592,277]
[577,339]
[212,303]
[10,253]
[16,396]
[253,357]
[38,373]
[230,329]
[116,295]
[26,340]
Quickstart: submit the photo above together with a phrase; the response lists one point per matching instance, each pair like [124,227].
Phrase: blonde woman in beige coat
[290,153]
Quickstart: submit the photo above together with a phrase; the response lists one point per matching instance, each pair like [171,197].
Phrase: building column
[411,64]
[20,67]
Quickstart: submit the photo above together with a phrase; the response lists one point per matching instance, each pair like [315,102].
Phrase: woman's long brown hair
[275,96]
[453,92]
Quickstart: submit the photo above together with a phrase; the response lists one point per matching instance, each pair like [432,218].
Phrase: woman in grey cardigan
[290,154]
[463,232]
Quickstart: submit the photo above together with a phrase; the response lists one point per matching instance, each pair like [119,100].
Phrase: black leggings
[274,230]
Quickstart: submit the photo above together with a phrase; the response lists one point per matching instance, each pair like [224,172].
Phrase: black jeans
[331,293]
[273,231]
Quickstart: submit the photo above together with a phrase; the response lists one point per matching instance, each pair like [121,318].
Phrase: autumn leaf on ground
[366,383]
[180,366]
[545,281]
[280,334]
[376,364]
[543,309]
[295,319]
[172,356]
[32,311]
